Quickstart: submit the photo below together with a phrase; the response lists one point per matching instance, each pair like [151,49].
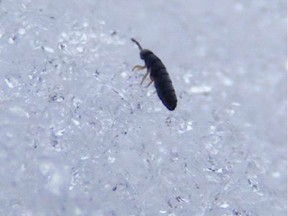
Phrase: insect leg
[144,77]
[150,83]
[138,67]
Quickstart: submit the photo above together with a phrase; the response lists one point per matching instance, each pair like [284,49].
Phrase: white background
[80,136]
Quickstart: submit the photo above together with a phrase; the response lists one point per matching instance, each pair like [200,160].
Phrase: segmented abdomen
[165,90]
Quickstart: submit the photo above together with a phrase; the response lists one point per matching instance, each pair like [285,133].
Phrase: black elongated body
[160,76]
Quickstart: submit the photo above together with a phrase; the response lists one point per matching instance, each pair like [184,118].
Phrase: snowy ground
[80,136]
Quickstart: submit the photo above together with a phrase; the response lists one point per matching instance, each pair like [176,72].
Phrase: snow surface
[80,136]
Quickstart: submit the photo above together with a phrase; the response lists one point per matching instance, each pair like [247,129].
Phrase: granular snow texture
[79,135]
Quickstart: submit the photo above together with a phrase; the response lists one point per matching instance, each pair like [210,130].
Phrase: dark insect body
[158,75]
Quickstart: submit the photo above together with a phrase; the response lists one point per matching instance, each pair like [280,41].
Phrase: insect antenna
[137,43]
